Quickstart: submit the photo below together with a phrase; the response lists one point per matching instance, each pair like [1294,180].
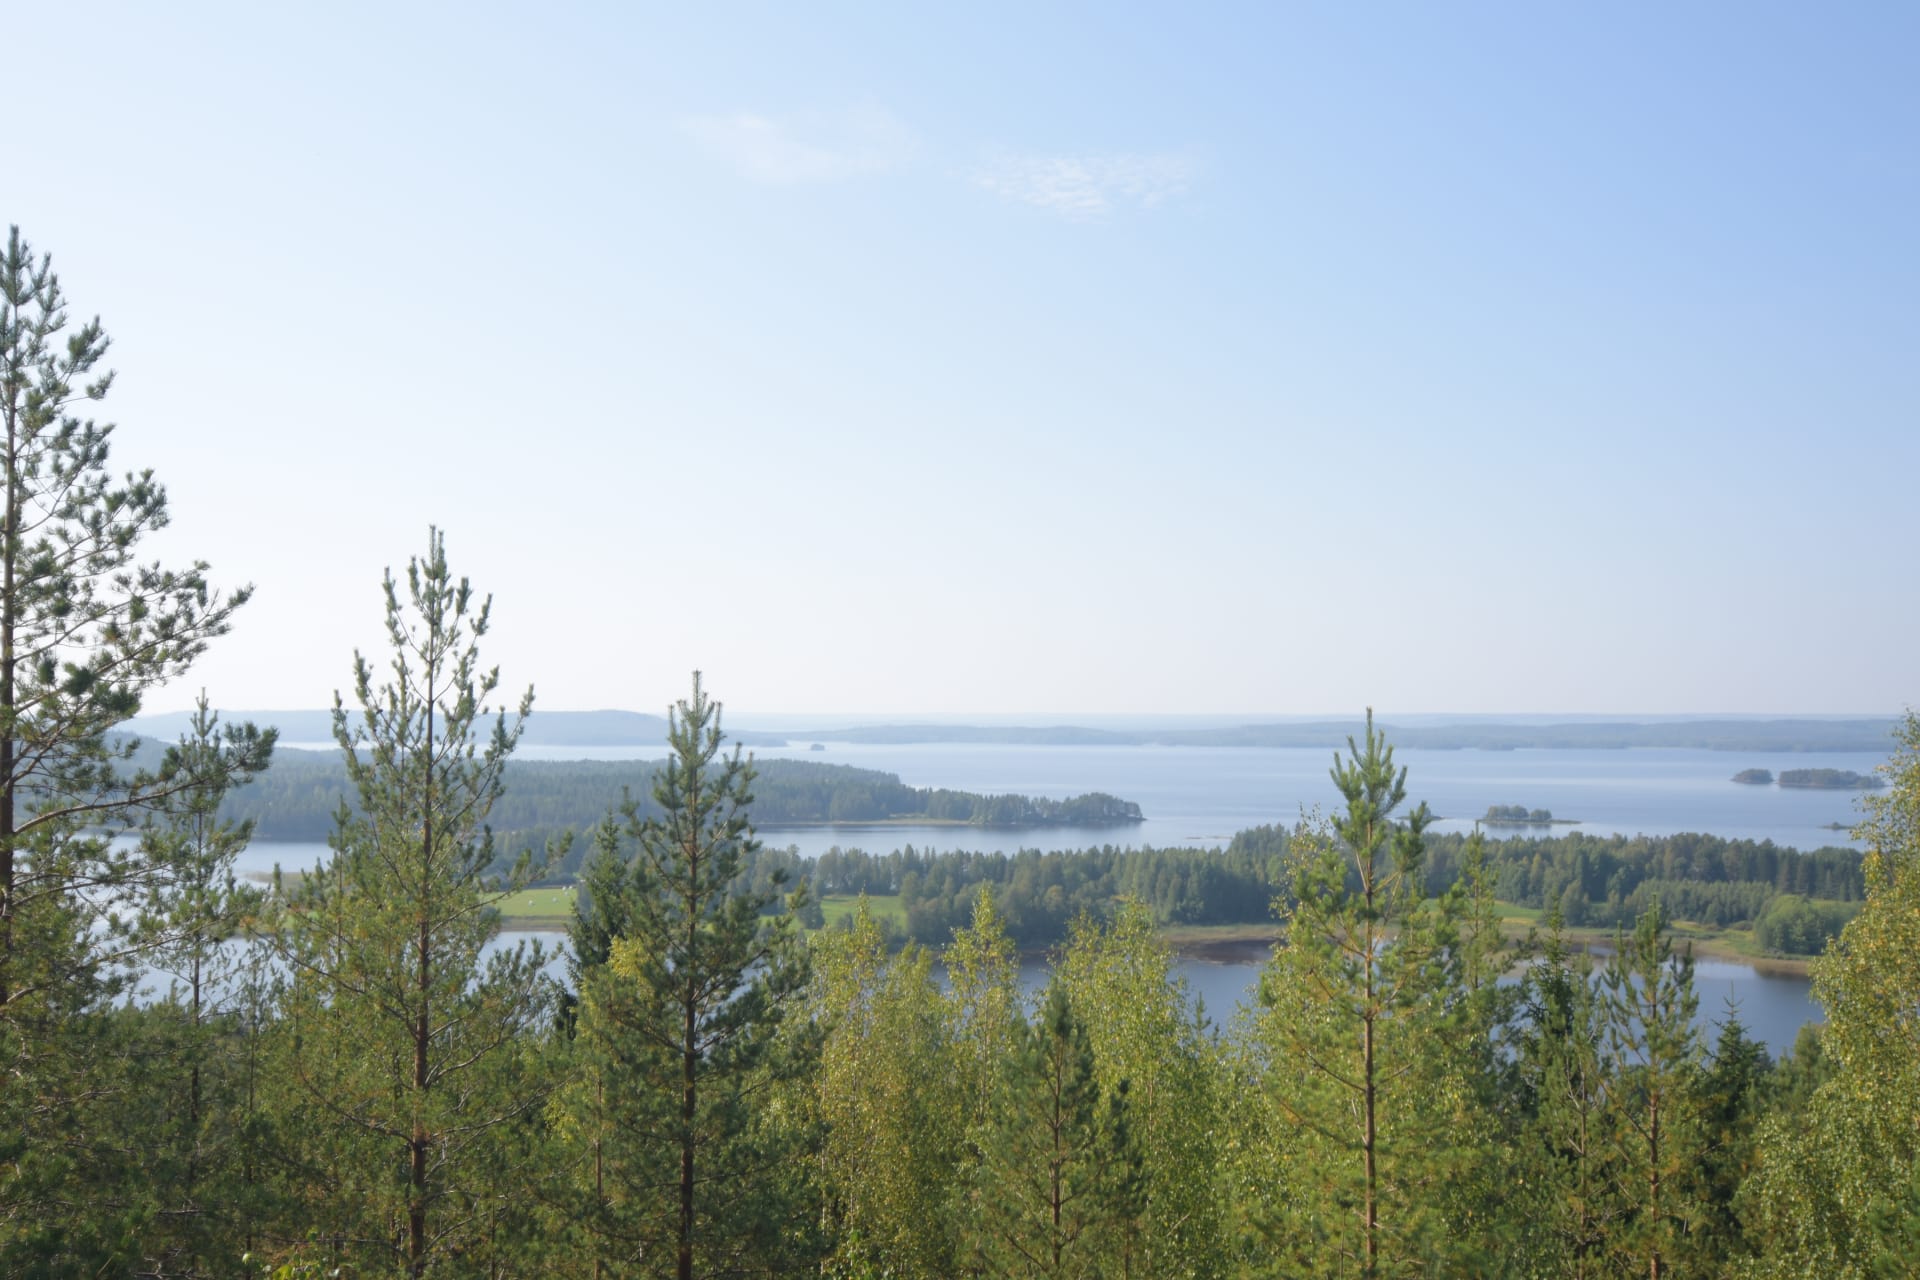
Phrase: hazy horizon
[778,720]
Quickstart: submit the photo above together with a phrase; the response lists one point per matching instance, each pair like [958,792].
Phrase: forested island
[1754,777]
[1831,780]
[1518,815]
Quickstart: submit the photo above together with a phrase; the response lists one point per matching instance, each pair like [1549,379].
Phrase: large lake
[1202,795]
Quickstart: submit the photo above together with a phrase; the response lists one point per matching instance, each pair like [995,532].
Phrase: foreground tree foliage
[404,1051]
[1836,1190]
[889,1143]
[1157,1067]
[86,632]
[1057,1190]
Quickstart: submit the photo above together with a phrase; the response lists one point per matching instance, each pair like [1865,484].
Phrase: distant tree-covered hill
[546,729]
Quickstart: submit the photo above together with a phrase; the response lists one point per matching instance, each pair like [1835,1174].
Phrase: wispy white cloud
[1088,186]
[813,147]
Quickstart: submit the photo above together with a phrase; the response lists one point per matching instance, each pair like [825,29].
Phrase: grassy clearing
[1201,935]
[1709,942]
[839,906]
[544,908]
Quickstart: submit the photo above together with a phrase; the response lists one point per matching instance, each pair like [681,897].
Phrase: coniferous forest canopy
[338,1074]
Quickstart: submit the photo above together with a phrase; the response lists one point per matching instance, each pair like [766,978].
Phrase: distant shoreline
[603,730]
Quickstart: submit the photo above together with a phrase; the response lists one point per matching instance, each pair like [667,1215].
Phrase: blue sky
[1024,358]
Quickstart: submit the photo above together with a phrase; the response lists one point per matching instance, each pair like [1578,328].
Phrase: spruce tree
[689,1037]
[1563,1205]
[1648,1005]
[87,630]
[409,1053]
[1058,1191]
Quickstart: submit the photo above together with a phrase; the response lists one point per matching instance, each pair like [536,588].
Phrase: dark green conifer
[684,1111]
[87,630]
[1648,1004]
[1059,1185]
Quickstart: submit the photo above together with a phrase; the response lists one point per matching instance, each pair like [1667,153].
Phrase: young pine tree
[409,1054]
[1357,1038]
[689,1041]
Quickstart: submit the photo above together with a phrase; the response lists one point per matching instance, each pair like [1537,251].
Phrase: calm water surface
[1772,1007]
[1202,795]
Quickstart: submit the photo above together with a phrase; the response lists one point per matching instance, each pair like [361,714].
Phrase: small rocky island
[1754,777]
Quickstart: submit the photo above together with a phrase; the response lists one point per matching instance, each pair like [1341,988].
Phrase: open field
[549,907]
[1709,942]
[887,908]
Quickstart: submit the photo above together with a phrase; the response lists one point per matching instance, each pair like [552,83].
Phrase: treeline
[1039,894]
[1608,881]
[1594,881]
[300,797]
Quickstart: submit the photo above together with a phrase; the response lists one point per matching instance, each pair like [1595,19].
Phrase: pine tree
[689,1036]
[409,1054]
[86,631]
[1359,1001]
